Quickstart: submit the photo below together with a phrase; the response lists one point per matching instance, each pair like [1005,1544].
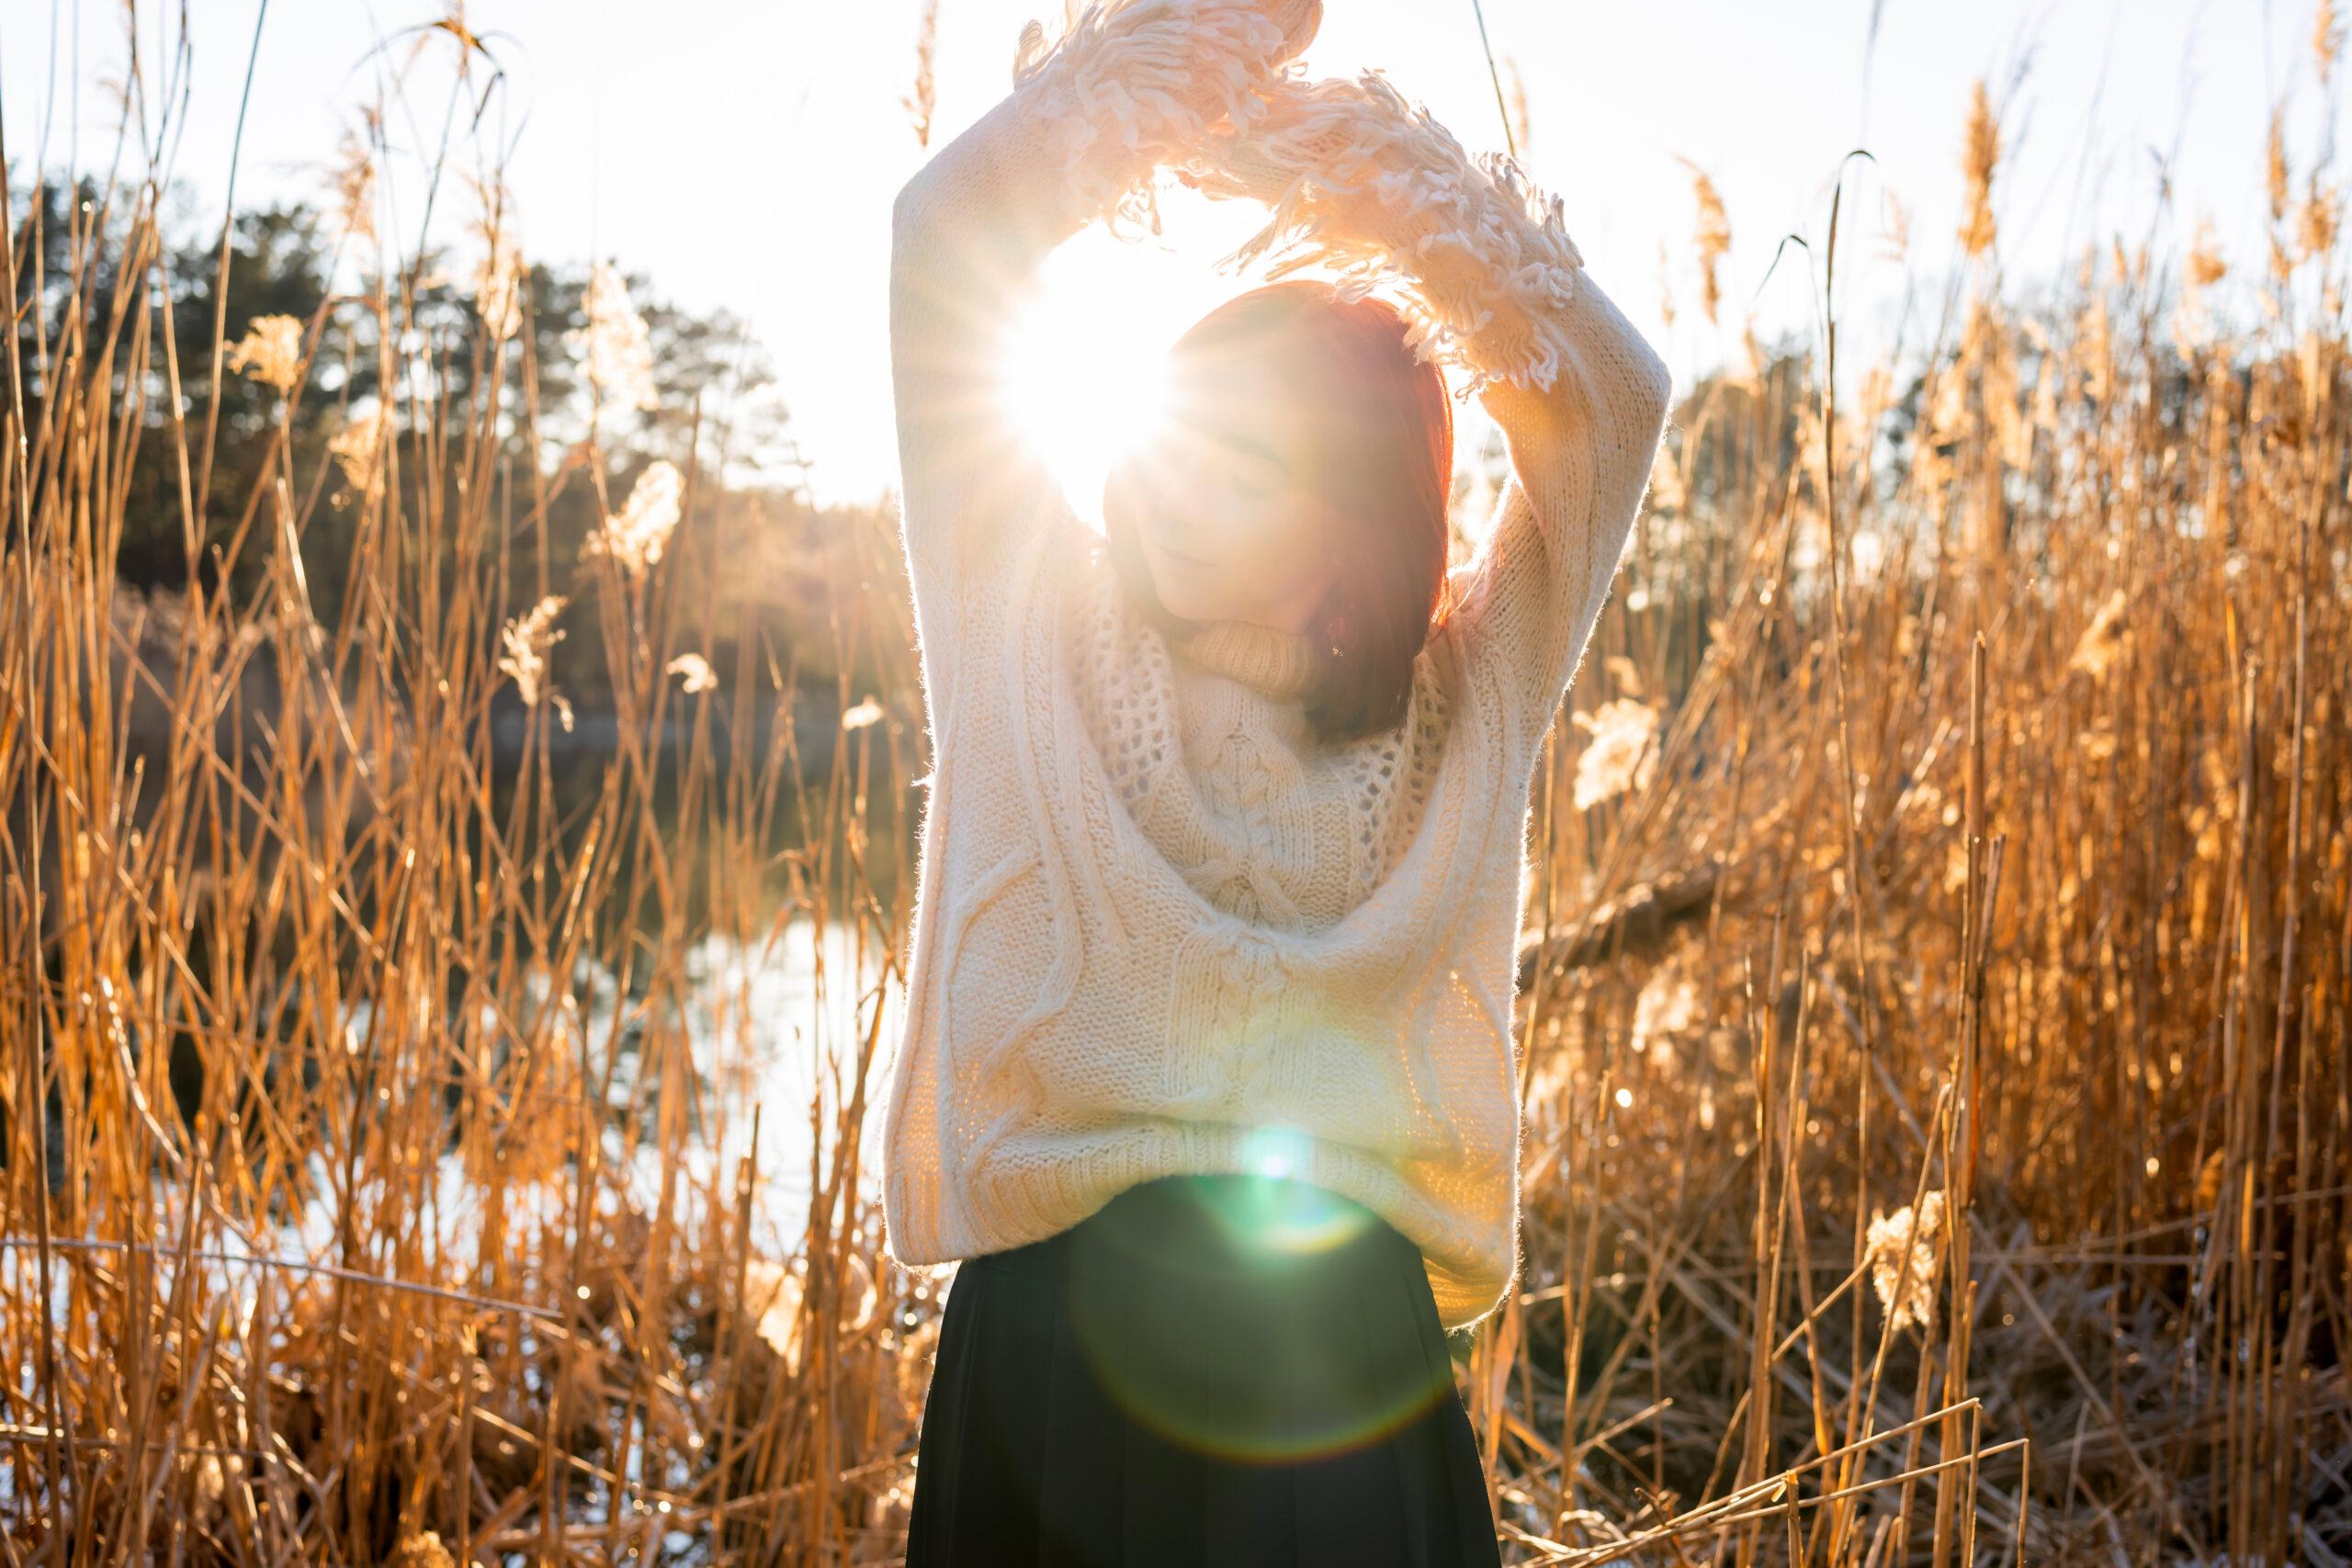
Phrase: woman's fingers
[1248,170]
[1299,20]
[1262,160]
[1293,99]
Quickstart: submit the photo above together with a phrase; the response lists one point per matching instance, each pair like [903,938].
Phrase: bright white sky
[745,154]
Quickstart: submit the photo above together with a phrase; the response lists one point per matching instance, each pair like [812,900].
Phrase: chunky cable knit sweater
[1162,928]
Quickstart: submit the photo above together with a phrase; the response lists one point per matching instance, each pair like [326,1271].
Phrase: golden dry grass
[1995,871]
[1986,877]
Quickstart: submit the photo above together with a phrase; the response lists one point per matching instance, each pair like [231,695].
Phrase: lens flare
[1085,378]
[1275,1215]
[1253,1315]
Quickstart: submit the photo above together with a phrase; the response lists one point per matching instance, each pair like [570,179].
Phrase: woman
[1209,1069]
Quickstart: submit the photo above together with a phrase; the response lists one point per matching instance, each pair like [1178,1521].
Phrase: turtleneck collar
[1281,665]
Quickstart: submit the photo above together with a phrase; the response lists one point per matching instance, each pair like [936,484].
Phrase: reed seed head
[2318,219]
[2206,266]
[772,1299]
[635,536]
[270,352]
[1618,755]
[423,1549]
[2278,178]
[1668,1006]
[696,670]
[1904,1253]
[358,450]
[498,273]
[526,639]
[1978,163]
[351,188]
[618,350]
[2101,643]
[1712,238]
[924,99]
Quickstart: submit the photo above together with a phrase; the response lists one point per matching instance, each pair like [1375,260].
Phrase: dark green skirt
[1216,1371]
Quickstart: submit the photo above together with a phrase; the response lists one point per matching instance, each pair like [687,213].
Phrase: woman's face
[1227,512]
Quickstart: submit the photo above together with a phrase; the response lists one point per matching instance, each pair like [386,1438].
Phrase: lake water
[767,1026]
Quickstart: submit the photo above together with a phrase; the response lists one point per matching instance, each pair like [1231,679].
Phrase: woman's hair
[1379,451]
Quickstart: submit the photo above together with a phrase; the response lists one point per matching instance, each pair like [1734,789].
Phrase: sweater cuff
[1375,191]
[1137,84]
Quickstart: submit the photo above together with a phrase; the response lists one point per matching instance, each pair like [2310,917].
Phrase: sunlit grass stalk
[2010,871]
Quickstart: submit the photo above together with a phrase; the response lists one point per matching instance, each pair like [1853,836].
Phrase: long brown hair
[1381,451]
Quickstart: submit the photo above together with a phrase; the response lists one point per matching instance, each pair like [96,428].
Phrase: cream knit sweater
[1162,928]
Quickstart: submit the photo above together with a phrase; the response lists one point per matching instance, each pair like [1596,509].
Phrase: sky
[745,153]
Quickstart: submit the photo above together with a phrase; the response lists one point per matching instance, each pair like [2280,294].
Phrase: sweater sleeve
[1581,454]
[1132,86]
[1364,186]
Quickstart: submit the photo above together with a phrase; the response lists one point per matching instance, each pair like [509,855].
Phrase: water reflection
[775,1026]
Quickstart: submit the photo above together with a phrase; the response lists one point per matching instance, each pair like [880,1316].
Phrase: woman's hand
[1367,184]
[1300,20]
[1134,86]
[1139,85]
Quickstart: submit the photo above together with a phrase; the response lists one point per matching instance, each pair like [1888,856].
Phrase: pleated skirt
[1213,1371]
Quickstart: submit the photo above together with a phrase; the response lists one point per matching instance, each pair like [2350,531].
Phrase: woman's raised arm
[1134,84]
[1363,184]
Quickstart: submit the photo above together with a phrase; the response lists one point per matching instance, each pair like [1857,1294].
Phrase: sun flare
[1085,380]
[1084,375]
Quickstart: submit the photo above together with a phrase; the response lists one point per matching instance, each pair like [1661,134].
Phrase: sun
[1085,371]
[1085,374]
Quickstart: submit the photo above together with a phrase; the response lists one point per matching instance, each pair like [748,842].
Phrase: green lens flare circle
[1253,1317]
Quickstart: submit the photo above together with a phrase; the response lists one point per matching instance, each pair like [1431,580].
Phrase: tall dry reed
[1939,1035]
[1934,1014]
[375,1180]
